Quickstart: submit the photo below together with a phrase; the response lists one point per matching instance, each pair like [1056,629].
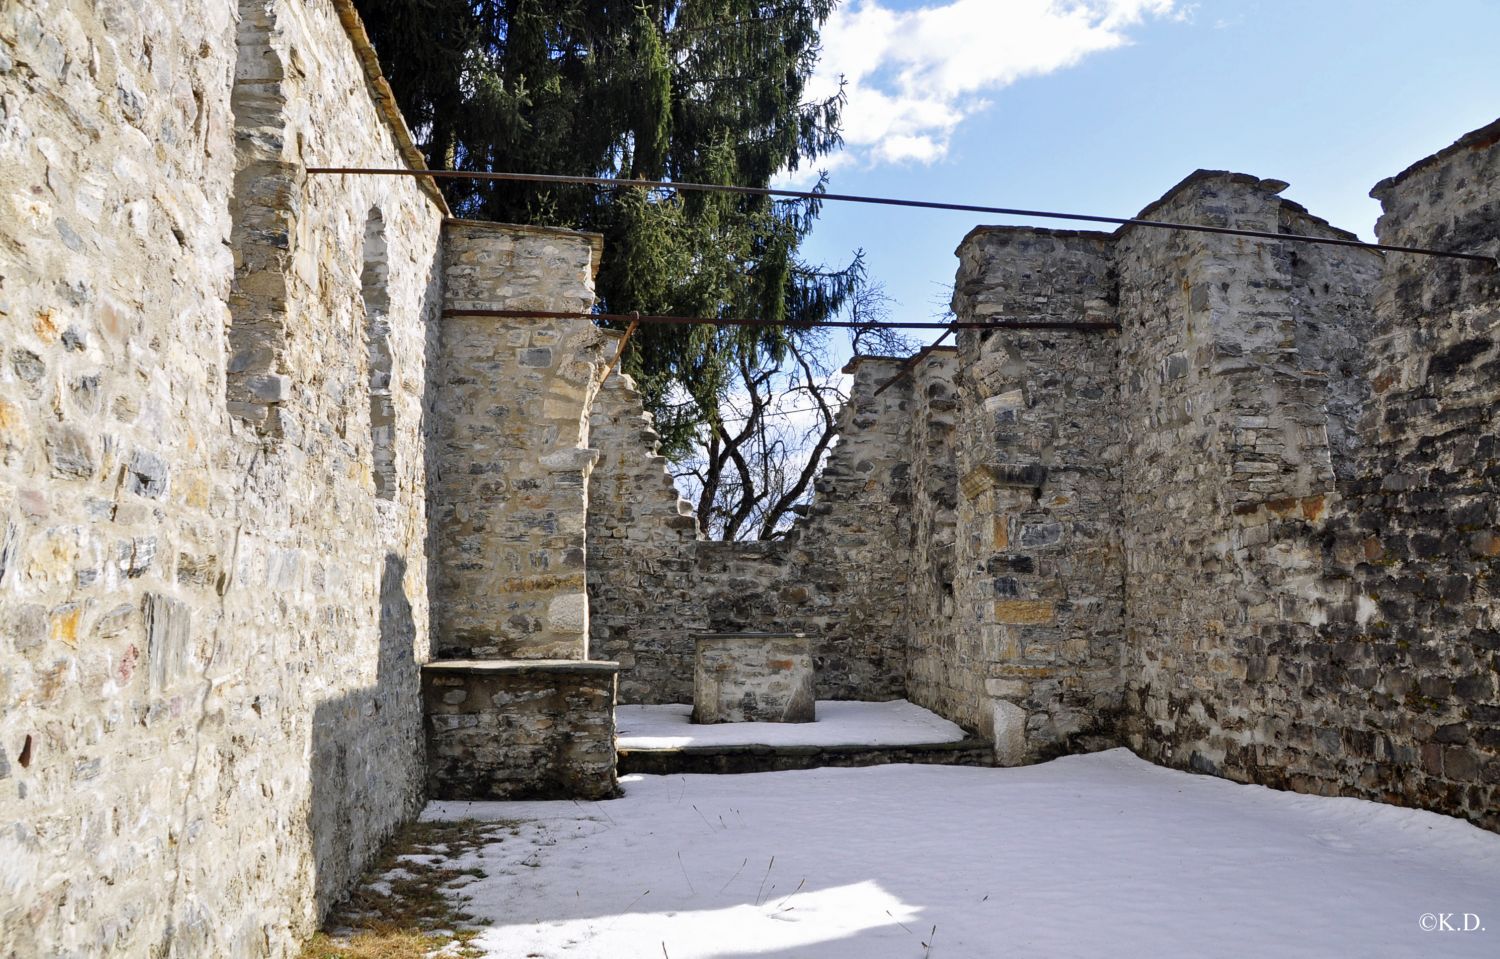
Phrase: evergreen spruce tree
[684,90]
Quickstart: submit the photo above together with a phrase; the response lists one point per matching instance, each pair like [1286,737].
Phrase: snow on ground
[1099,855]
[895,723]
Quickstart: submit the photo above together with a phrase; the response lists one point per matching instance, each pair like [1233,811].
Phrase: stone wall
[1249,532]
[1396,696]
[832,576]
[511,438]
[1254,532]
[1039,578]
[644,605]
[209,620]
[513,708]
[1332,326]
[520,729]
[1282,468]
[936,672]
[1229,464]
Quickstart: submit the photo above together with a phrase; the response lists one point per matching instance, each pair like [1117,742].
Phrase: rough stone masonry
[227,398]
[252,481]
[1256,541]
[1252,531]
[211,618]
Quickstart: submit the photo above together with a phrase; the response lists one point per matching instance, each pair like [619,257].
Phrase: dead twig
[928,944]
[736,874]
[763,880]
[793,892]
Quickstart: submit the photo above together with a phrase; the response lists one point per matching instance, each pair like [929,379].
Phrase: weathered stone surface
[1263,516]
[1036,594]
[766,759]
[1252,533]
[1403,652]
[208,633]
[512,438]
[1008,730]
[644,604]
[520,729]
[1225,463]
[653,582]
[753,678]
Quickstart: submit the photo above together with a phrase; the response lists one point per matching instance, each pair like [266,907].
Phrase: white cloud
[913,76]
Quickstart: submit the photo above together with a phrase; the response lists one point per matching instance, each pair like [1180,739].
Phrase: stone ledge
[762,758]
[700,637]
[982,479]
[521,666]
[520,729]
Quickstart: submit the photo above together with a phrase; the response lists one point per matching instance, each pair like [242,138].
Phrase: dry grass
[423,912]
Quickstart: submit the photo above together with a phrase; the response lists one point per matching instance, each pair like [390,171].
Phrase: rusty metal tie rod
[894,201]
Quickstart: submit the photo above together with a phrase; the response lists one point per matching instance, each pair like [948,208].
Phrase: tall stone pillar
[513,708]
[512,410]
[1038,582]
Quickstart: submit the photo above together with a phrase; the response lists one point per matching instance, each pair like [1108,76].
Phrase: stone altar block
[753,677]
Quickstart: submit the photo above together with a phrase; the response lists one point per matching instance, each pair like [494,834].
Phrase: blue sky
[1099,106]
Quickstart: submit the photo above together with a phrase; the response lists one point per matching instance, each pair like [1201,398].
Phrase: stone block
[1009,732]
[70,452]
[753,677]
[520,729]
[267,388]
[1005,688]
[147,474]
[168,632]
[1024,612]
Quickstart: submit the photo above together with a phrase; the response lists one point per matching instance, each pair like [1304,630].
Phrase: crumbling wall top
[594,240]
[1483,138]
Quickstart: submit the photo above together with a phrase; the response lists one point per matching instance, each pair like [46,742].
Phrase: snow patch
[839,723]
[1097,855]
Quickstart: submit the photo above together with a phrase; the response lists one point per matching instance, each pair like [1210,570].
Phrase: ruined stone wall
[209,620]
[1251,533]
[839,575]
[514,709]
[1228,467]
[513,396]
[1304,475]
[1331,635]
[1038,584]
[1397,695]
[834,575]
[1333,321]
[643,602]
[935,675]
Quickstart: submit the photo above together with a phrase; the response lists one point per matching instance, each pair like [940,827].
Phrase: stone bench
[520,728]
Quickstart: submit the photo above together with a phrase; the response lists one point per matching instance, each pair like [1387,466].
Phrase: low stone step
[675,760]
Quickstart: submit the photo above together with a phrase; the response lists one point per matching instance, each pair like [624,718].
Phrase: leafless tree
[758,458]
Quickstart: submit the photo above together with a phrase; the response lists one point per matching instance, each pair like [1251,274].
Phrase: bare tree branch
[758,458]
[791,497]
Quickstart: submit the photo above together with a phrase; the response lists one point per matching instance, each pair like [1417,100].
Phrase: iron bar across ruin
[897,201]
[836,324]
